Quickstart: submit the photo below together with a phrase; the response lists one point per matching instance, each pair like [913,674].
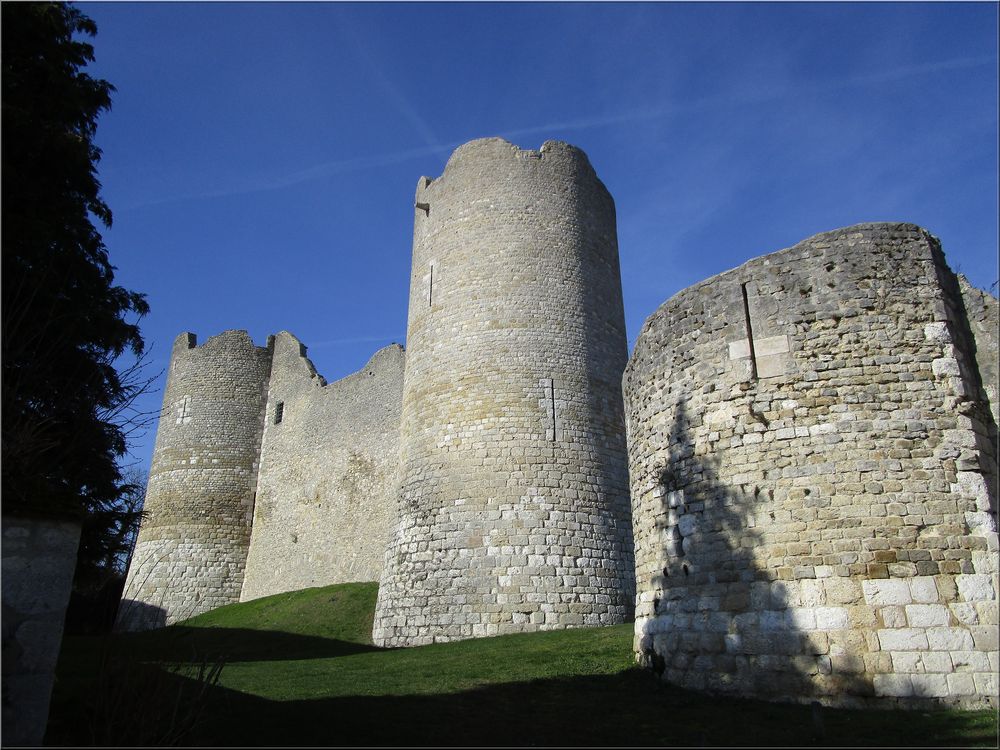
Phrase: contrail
[356,164]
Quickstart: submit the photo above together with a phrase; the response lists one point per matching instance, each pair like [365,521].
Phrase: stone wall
[513,508]
[39,559]
[976,316]
[327,481]
[191,549]
[810,461]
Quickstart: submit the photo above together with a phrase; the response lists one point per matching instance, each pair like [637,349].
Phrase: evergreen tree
[64,320]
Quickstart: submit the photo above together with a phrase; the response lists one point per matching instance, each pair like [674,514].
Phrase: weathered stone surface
[327,479]
[811,449]
[313,479]
[191,550]
[39,558]
[514,510]
[856,475]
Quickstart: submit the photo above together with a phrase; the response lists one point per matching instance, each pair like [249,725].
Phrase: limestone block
[985,637]
[937,332]
[906,639]
[961,684]
[907,661]
[832,618]
[893,617]
[987,683]
[923,589]
[970,661]
[801,618]
[896,685]
[964,612]
[946,366]
[949,639]
[887,591]
[929,685]
[927,615]
[842,591]
[974,588]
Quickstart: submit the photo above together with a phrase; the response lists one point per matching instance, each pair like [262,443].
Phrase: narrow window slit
[746,314]
[552,402]
[430,289]
[279,412]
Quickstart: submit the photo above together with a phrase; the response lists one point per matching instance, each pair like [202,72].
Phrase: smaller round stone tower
[514,511]
[192,548]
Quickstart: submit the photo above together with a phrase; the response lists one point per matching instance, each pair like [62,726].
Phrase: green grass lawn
[299,669]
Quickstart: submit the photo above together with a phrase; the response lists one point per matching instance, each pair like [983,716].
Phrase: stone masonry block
[893,617]
[985,637]
[887,591]
[986,683]
[923,589]
[927,615]
[929,685]
[961,684]
[975,588]
[896,685]
[832,618]
[950,639]
[905,639]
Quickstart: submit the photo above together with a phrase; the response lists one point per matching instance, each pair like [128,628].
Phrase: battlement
[477,162]
[234,340]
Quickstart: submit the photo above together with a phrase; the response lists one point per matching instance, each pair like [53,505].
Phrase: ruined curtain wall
[327,480]
[810,467]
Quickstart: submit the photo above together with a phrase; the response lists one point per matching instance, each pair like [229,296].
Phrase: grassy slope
[300,669]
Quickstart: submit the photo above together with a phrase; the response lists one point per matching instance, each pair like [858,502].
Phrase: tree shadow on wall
[134,615]
[728,619]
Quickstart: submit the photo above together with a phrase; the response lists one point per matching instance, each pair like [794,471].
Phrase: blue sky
[260,158]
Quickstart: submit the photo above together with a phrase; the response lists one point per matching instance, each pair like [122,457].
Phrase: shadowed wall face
[812,479]
[192,547]
[39,558]
[327,481]
[513,501]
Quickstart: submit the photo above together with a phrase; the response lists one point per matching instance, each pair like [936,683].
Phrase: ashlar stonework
[513,501]
[793,488]
[813,470]
[253,439]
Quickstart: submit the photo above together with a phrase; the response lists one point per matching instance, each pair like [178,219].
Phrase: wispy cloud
[351,35]
[732,100]
[432,146]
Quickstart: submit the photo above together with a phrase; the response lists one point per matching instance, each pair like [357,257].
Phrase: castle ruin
[804,507]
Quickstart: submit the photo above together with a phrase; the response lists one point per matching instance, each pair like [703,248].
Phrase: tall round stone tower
[514,507]
[192,548]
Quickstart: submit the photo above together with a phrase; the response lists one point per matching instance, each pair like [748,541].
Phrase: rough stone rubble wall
[976,317]
[514,488]
[191,549]
[39,558]
[812,514]
[327,480]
